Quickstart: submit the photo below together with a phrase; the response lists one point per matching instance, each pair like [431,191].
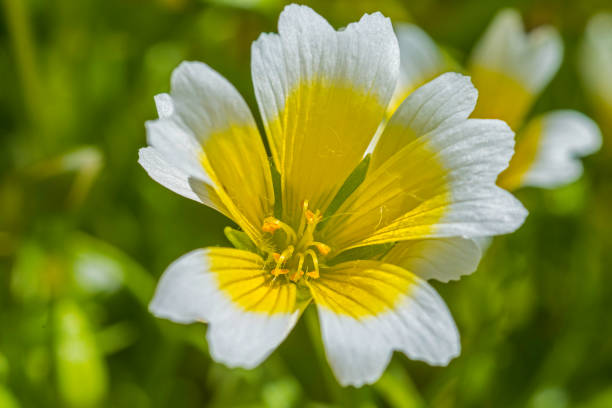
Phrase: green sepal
[353,181]
[375,252]
[278,192]
[240,240]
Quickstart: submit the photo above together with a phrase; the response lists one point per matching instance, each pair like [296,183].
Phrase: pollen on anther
[270,225]
[322,248]
[277,272]
[313,274]
[296,275]
[312,217]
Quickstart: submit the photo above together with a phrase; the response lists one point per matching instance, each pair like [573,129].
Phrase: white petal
[364,54]
[359,346]
[420,61]
[234,153]
[205,101]
[440,185]
[175,179]
[178,147]
[189,291]
[442,259]
[448,99]
[164,105]
[474,151]
[469,213]
[566,136]
[311,82]
[241,339]
[207,134]
[477,213]
[483,243]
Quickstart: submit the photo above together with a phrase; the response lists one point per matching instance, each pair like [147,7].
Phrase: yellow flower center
[298,251]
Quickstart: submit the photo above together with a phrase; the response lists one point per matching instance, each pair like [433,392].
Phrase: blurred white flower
[596,65]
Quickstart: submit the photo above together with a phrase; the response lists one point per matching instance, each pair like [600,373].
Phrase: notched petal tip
[375,20]
[164,105]
[196,288]
[390,307]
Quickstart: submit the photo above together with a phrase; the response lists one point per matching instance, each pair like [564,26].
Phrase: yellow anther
[271,224]
[310,217]
[322,248]
[313,274]
[305,205]
[313,217]
[295,276]
[280,259]
[277,272]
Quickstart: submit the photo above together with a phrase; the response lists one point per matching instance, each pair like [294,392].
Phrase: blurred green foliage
[84,233]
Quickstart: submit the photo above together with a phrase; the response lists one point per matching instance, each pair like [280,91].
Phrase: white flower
[312,235]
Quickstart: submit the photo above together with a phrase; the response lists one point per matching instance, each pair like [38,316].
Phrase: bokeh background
[85,234]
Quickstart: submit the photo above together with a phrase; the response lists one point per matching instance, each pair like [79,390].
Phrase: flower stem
[312,325]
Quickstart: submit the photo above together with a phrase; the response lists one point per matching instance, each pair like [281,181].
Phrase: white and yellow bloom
[510,69]
[596,65]
[310,234]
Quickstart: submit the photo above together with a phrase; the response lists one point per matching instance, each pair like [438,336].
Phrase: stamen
[292,260]
[322,248]
[286,254]
[277,272]
[303,218]
[271,225]
[296,275]
[315,262]
[300,262]
[312,217]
